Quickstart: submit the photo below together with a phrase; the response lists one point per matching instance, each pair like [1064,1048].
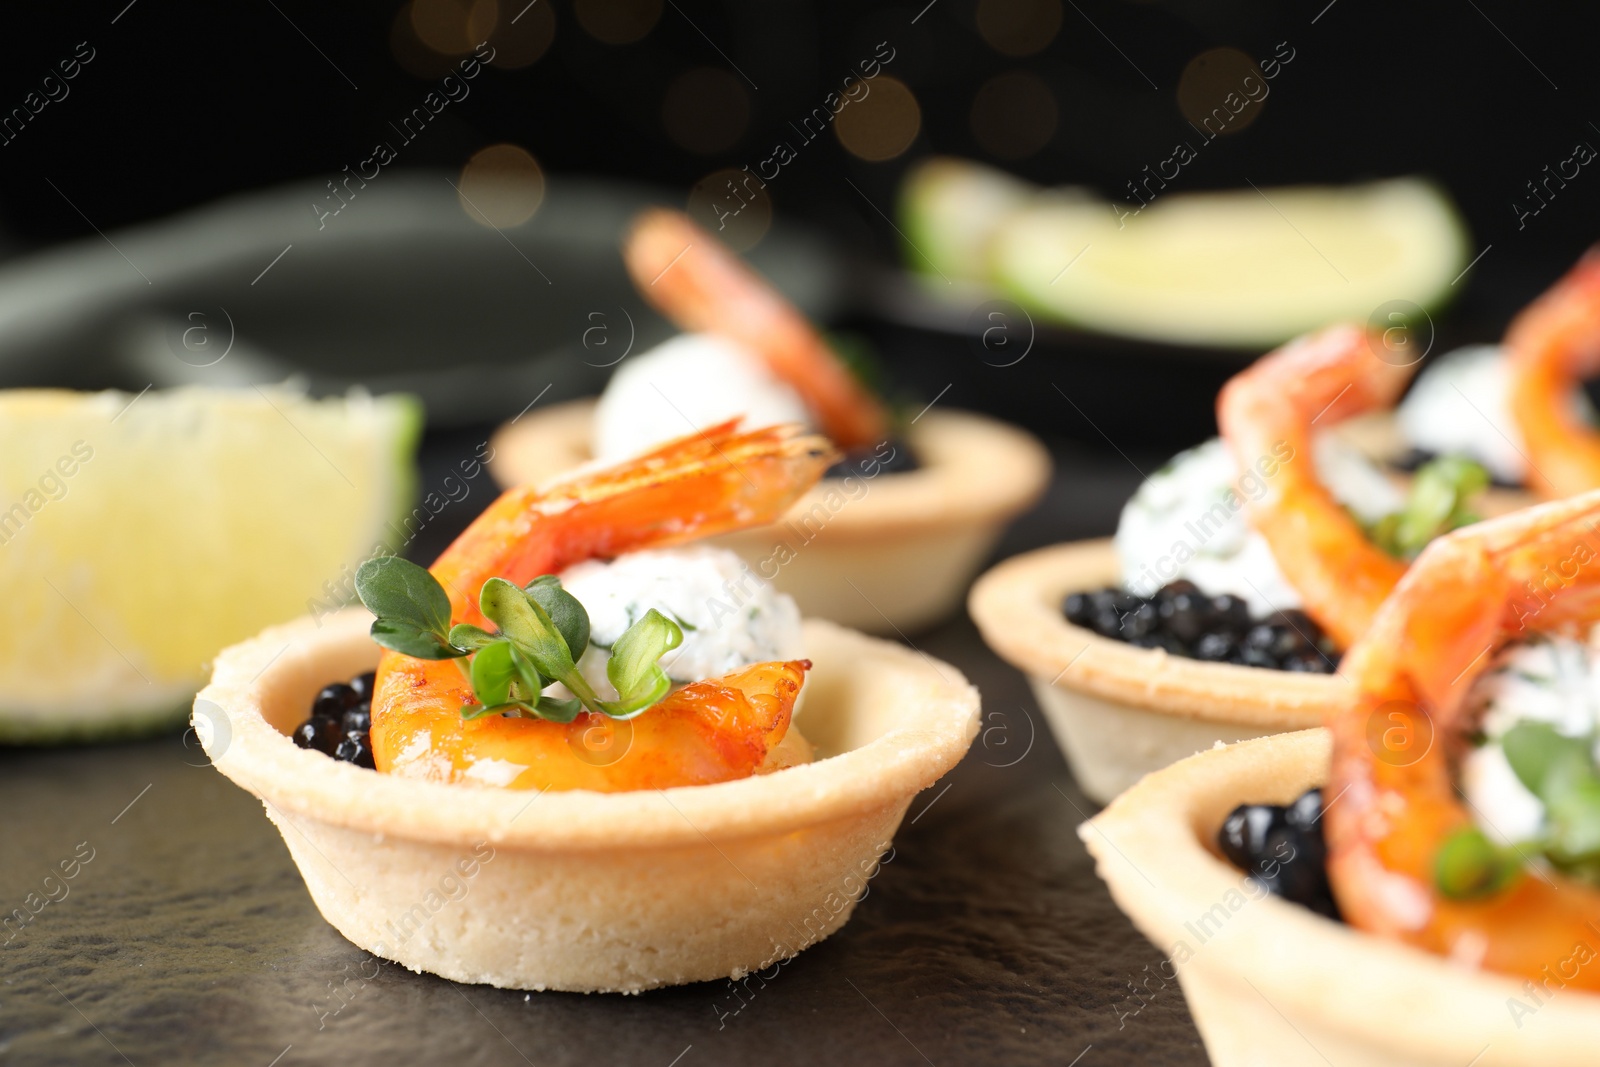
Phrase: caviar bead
[1186,616]
[308,734]
[333,700]
[1181,586]
[1140,622]
[1215,647]
[1283,849]
[1229,612]
[355,748]
[1078,608]
[358,719]
[320,733]
[363,685]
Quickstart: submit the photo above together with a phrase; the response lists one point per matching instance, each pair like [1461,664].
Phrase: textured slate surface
[189,938]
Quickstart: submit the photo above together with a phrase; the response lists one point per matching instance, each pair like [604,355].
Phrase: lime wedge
[1249,268]
[950,209]
[138,536]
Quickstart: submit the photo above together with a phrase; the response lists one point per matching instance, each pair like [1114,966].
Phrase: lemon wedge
[140,535]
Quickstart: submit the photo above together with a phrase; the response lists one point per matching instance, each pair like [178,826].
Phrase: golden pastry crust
[1119,712]
[881,554]
[584,891]
[1264,978]
[1017,606]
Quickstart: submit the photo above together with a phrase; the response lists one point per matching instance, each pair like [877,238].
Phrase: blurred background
[596,106]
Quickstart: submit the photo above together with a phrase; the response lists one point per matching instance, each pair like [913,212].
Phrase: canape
[578,890]
[889,541]
[1238,573]
[1271,982]
[1455,828]
[610,789]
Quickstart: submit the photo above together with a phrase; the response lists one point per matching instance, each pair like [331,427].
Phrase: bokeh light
[501,186]
[1018,27]
[617,21]
[705,110]
[1221,91]
[413,56]
[733,205]
[454,27]
[523,35]
[1014,115]
[882,125]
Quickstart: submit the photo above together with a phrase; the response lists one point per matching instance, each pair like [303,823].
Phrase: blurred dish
[889,541]
[1239,568]
[403,274]
[1267,980]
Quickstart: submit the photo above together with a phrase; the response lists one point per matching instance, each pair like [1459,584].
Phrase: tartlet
[577,890]
[1119,711]
[1270,982]
[882,554]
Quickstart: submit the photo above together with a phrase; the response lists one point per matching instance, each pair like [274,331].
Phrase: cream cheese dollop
[730,617]
[1459,406]
[1191,520]
[1552,678]
[693,381]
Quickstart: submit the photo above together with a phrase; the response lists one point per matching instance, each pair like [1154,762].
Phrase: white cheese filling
[1191,520]
[693,381]
[1553,679]
[1458,406]
[730,617]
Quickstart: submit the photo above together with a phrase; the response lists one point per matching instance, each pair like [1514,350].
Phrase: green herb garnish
[1561,772]
[542,632]
[1436,505]
[1468,866]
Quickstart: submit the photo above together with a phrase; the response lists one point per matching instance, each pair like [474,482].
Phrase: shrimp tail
[1268,415]
[695,281]
[1552,346]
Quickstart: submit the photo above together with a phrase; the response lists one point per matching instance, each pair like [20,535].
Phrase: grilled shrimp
[714,730]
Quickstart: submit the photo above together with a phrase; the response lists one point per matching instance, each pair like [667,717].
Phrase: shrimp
[1553,345]
[696,486]
[1267,414]
[1467,592]
[697,283]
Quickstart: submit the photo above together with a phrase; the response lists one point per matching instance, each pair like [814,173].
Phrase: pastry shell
[1270,982]
[576,890]
[1118,711]
[882,554]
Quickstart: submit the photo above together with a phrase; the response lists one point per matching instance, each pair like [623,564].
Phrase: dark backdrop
[183,103]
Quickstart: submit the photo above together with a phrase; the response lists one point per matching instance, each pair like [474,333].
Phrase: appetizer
[891,536]
[567,699]
[1446,817]
[1267,550]
[124,520]
[1518,408]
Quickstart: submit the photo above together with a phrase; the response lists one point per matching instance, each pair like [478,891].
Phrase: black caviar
[1186,622]
[340,724]
[1282,848]
[891,456]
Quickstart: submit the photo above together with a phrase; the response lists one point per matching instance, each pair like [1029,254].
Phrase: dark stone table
[188,937]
